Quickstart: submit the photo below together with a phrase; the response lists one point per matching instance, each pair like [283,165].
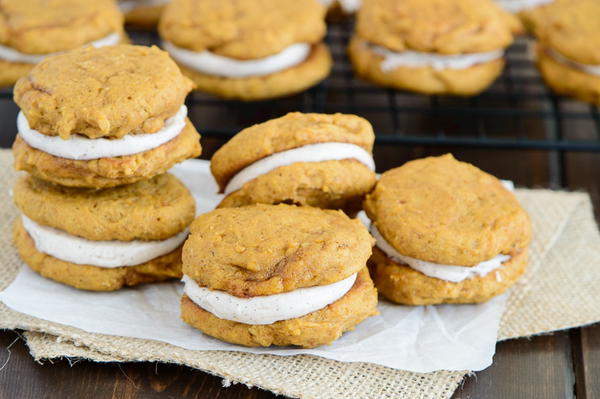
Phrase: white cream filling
[269,308]
[591,69]
[348,6]
[451,273]
[515,6]
[12,55]
[83,148]
[416,59]
[70,248]
[308,153]
[217,65]
[130,5]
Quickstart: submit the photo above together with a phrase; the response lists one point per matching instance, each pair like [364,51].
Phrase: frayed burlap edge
[550,296]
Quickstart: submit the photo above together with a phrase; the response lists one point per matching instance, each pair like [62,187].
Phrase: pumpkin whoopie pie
[103,240]
[248,49]
[446,232]
[31,30]
[432,46]
[568,50]
[267,275]
[102,117]
[304,159]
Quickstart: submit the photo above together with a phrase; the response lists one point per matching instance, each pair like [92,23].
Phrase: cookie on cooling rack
[102,117]
[31,30]
[142,13]
[247,49]
[446,232]
[432,47]
[103,240]
[267,275]
[304,159]
[568,53]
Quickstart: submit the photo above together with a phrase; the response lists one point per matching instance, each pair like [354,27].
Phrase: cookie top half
[270,249]
[48,26]
[102,92]
[440,210]
[290,131]
[441,26]
[242,28]
[570,27]
[153,209]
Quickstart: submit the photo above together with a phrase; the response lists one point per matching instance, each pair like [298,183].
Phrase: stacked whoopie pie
[248,49]
[97,130]
[432,46]
[446,232]
[316,160]
[31,30]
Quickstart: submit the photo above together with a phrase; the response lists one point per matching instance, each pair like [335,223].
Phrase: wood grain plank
[523,368]
[21,378]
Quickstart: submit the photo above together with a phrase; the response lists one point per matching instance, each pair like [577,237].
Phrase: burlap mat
[557,292]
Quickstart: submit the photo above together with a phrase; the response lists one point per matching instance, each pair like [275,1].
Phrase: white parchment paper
[420,339]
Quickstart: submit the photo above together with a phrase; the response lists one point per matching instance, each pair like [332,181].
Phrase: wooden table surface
[562,365]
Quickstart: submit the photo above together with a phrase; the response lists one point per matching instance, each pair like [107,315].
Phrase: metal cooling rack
[517,112]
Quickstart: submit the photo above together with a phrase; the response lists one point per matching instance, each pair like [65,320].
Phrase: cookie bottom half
[94,278]
[567,80]
[407,286]
[461,82]
[314,329]
[329,184]
[107,172]
[292,80]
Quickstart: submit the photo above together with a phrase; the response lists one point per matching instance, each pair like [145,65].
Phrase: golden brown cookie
[450,214]
[314,329]
[568,55]
[439,28]
[402,284]
[107,172]
[271,249]
[38,27]
[567,79]
[102,97]
[94,278]
[42,27]
[153,209]
[242,29]
[428,80]
[247,30]
[329,183]
[441,210]
[286,82]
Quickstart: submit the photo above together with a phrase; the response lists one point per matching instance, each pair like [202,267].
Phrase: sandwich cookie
[32,30]
[103,117]
[432,47]
[142,13]
[568,53]
[247,49]
[103,240]
[446,232]
[267,275]
[303,159]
